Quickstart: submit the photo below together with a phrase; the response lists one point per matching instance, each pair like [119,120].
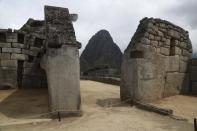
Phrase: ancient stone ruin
[61,61]
[44,53]
[155,63]
[20,56]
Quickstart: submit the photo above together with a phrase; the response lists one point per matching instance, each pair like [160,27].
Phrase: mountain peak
[102,36]
[101,50]
[103,32]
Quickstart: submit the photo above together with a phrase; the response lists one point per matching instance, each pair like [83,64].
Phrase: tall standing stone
[61,61]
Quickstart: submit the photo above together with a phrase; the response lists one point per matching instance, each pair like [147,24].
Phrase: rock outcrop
[101,52]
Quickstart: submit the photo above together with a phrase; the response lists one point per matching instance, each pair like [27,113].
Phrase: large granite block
[11,50]
[30,64]
[62,52]
[18,45]
[175,82]
[184,66]
[19,56]
[35,49]
[8,77]
[67,61]
[4,56]
[30,52]
[11,37]
[9,63]
[5,45]
[172,63]
[164,51]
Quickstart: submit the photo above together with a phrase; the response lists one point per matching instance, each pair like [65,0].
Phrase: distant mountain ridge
[101,51]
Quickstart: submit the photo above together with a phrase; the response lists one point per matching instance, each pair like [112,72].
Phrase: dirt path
[102,111]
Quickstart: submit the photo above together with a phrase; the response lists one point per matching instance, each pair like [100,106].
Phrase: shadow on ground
[24,103]
[191,94]
[111,102]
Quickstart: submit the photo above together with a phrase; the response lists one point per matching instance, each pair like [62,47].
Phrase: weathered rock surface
[101,51]
[34,26]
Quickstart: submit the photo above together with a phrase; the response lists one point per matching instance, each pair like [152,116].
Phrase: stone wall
[19,59]
[193,76]
[34,75]
[52,45]
[155,63]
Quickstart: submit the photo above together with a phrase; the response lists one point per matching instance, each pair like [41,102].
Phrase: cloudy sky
[119,17]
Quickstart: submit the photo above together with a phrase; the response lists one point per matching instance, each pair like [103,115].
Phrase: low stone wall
[108,80]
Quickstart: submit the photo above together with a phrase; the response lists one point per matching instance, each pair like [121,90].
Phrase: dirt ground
[183,106]
[18,106]
[102,110]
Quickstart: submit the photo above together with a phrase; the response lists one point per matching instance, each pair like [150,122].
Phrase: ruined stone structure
[155,63]
[44,53]
[34,30]
[61,61]
[20,54]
